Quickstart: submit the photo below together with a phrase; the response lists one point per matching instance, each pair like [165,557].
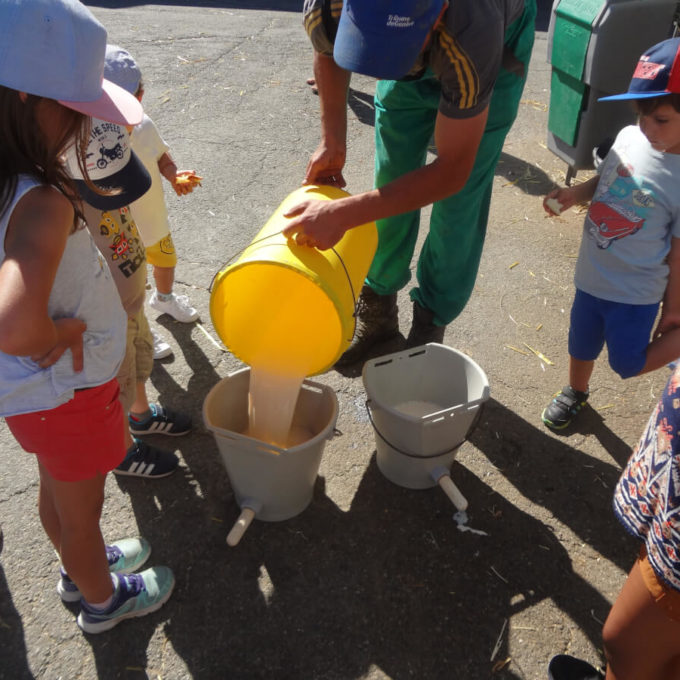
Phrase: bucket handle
[279,233]
[472,427]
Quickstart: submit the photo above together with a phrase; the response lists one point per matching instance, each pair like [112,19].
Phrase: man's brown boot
[423,330]
[377,321]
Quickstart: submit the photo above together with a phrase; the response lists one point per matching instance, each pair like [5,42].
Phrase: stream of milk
[272,399]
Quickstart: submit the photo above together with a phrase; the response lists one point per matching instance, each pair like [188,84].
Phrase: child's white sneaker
[161,349]
[177,306]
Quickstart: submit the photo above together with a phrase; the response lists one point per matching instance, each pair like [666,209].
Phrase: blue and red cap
[383,38]
[657,73]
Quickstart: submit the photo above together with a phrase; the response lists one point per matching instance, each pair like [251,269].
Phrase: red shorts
[78,439]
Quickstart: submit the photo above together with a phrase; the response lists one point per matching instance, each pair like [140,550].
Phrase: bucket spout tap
[443,477]
[248,511]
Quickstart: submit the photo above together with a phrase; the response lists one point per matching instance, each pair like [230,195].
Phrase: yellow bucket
[284,307]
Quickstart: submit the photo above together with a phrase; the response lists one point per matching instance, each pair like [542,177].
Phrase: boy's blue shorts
[625,328]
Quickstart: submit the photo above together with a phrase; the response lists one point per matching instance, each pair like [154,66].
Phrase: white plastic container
[270,483]
[416,451]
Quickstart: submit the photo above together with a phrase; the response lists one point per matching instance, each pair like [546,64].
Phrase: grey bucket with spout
[416,450]
[270,483]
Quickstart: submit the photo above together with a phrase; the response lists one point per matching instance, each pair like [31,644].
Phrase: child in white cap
[150,211]
[111,164]
[62,326]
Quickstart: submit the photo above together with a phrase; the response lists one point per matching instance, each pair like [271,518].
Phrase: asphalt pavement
[372,580]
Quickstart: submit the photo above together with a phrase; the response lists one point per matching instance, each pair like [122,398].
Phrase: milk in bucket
[288,311]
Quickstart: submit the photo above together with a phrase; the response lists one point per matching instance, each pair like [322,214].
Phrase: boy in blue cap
[642,630]
[455,70]
[629,261]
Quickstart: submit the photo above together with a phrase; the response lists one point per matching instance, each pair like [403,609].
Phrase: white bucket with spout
[270,483]
[423,403]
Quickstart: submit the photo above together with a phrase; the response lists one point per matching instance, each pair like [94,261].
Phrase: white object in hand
[554,205]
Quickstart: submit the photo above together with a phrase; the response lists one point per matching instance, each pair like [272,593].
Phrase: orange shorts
[665,596]
[79,439]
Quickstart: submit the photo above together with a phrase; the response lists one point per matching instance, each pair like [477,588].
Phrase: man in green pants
[453,70]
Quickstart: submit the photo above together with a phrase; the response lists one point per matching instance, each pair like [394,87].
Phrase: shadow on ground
[574,486]
[528,178]
[389,584]
[330,594]
[12,642]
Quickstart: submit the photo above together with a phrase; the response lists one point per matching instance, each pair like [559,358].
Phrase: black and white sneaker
[147,461]
[161,421]
[563,408]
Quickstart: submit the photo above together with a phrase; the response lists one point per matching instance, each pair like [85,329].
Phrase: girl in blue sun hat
[62,327]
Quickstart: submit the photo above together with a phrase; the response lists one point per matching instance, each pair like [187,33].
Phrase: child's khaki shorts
[138,360]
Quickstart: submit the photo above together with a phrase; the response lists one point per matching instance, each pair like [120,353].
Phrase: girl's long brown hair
[23,149]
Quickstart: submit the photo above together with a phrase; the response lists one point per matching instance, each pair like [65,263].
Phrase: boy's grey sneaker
[161,421]
[147,461]
[124,556]
[564,407]
[134,595]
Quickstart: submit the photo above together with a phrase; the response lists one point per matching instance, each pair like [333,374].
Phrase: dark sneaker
[147,461]
[423,330]
[565,667]
[161,421]
[566,404]
[377,321]
[134,595]
[124,557]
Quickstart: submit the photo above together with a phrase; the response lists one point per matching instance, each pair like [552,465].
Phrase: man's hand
[69,336]
[314,224]
[326,164]
[325,167]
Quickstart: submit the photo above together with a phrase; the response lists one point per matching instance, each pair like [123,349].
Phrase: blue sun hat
[657,73]
[120,68]
[55,49]
[383,38]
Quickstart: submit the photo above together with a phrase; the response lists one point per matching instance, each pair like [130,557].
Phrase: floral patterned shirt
[647,497]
